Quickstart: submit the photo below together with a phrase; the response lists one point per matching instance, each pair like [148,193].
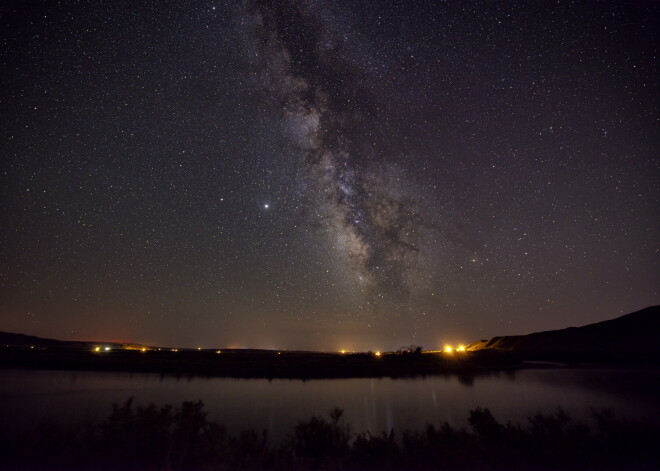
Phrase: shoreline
[290,365]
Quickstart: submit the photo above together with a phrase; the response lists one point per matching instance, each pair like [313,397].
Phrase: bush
[153,438]
[317,439]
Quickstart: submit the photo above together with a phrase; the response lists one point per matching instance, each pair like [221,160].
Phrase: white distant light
[266,206]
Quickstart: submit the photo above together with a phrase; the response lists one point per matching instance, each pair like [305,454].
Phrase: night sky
[326,175]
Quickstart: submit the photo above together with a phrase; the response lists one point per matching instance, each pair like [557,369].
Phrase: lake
[31,397]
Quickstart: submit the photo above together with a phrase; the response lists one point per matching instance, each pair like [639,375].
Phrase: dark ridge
[493,341]
[632,337]
[7,338]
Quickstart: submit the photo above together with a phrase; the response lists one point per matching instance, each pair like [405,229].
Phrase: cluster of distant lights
[143,349]
[450,349]
[344,352]
[447,349]
[199,349]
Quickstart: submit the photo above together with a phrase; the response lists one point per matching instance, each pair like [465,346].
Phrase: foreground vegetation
[164,438]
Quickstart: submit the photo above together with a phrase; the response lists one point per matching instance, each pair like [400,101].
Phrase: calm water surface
[28,398]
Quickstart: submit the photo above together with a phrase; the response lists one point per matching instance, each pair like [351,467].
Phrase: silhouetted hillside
[22,340]
[633,339]
[635,336]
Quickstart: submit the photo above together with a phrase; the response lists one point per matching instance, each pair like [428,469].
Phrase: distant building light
[377,354]
[448,349]
[107,349]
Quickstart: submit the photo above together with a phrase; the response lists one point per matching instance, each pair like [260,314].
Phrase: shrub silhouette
[164,438]
[136,436]
[149,437]
[194,441]
[410,349]
[376,451]
[484,424]
[316,438]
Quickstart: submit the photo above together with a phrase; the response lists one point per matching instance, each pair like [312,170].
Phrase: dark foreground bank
[165,438]
[252,363]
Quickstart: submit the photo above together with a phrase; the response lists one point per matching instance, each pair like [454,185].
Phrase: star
[416,185]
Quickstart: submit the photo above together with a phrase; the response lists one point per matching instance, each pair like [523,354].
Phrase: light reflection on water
[375,404]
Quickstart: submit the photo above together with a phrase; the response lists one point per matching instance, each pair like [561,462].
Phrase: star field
[326,175]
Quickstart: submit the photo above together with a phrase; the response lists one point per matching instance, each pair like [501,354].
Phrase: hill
[22,340]
[632,337]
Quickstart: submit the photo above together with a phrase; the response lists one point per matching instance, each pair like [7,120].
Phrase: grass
[182,438]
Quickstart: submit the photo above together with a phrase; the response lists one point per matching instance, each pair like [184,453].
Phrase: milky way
[326,174]
[364,205]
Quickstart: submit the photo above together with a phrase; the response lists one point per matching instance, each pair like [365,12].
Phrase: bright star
[266,206]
